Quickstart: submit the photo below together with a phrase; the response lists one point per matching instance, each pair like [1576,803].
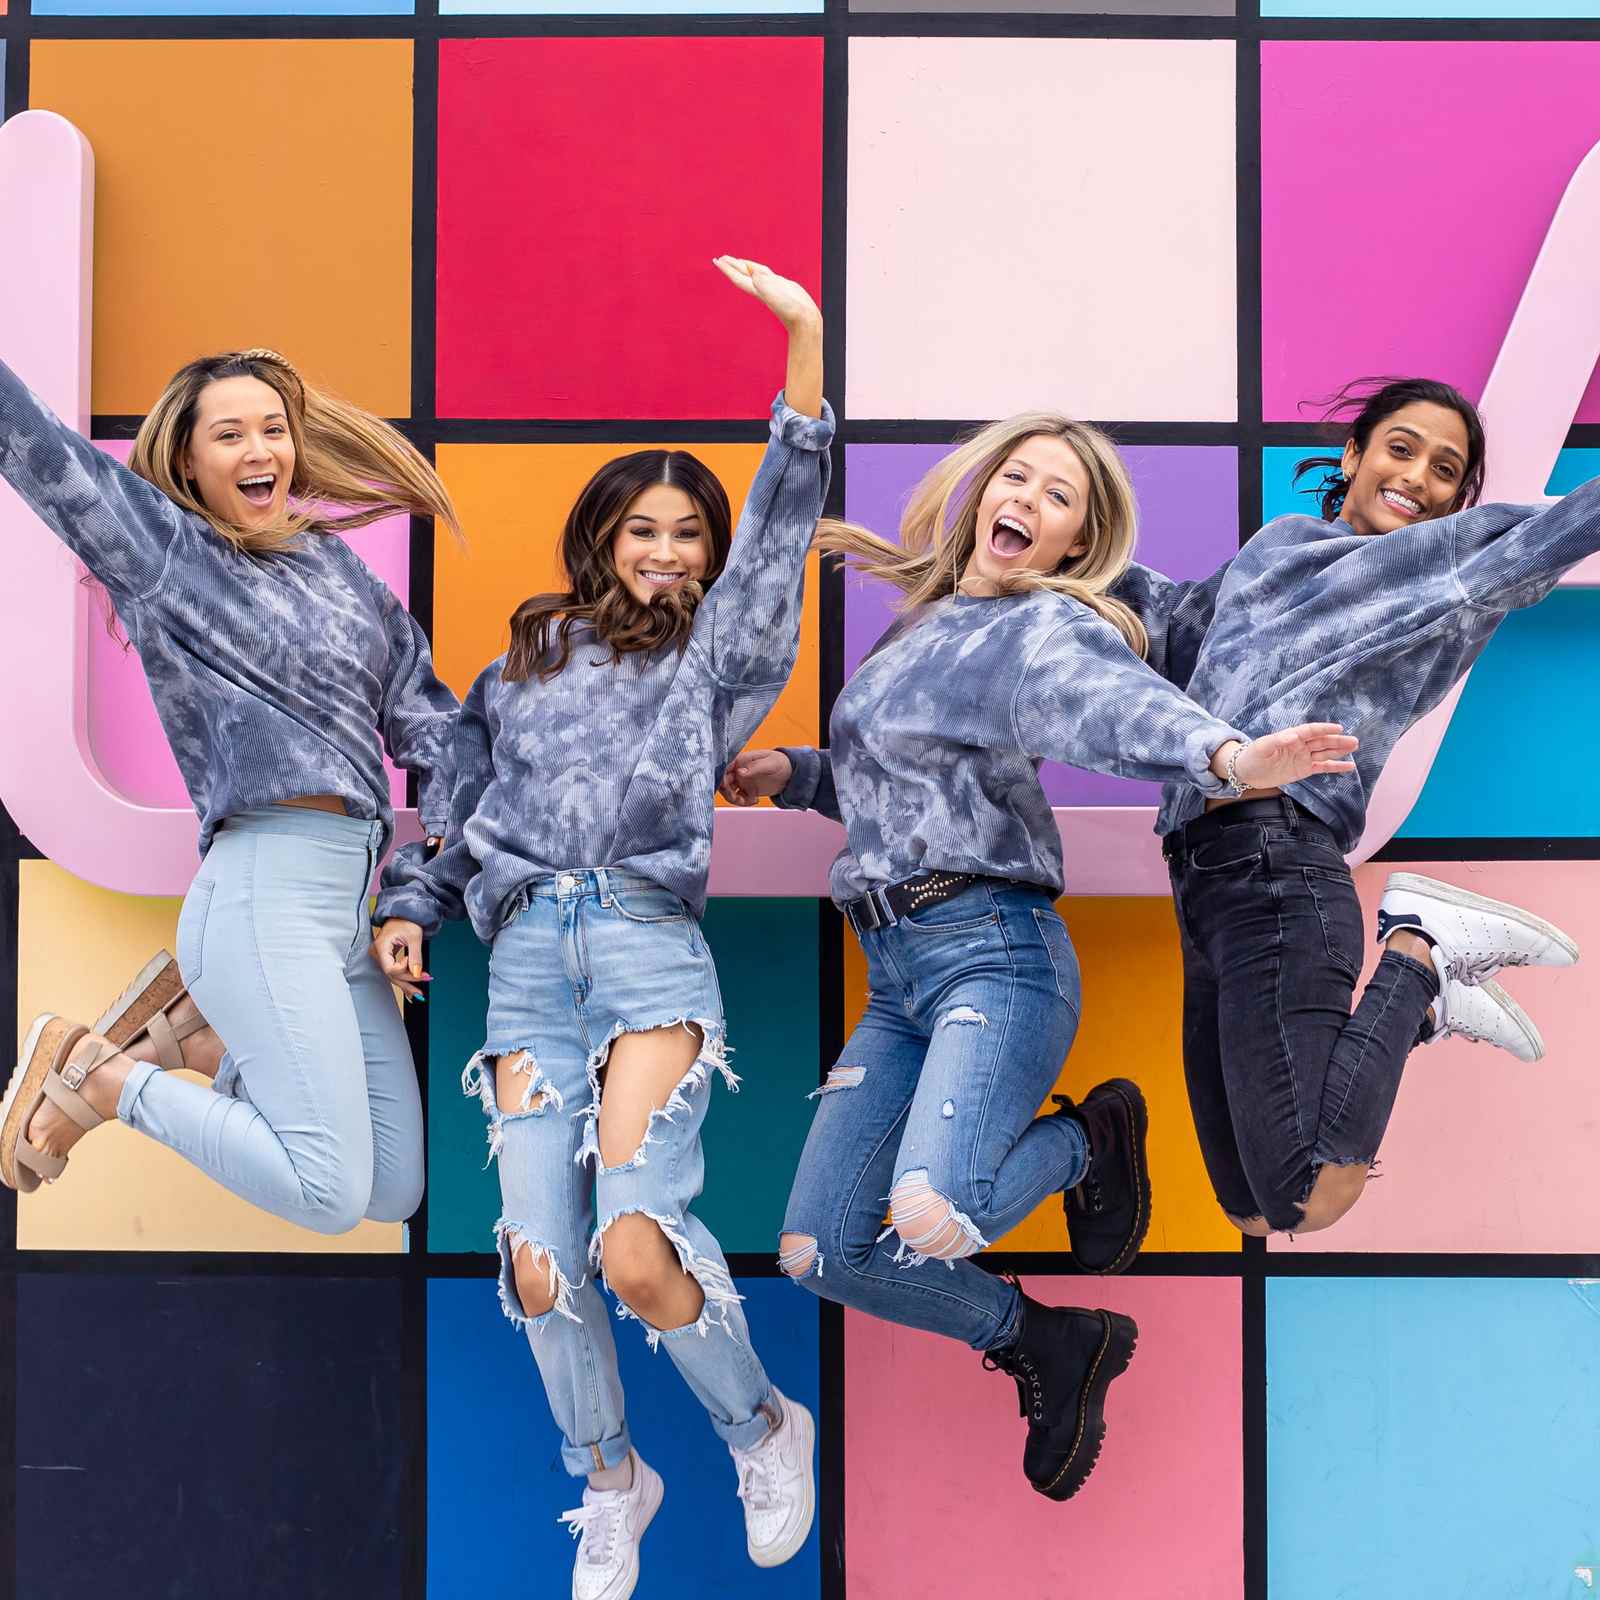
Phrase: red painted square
[585,185]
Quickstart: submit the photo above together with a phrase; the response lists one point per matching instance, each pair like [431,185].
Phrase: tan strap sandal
[47,1070]
[155,991]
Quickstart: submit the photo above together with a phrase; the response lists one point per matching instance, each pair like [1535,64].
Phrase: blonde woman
[281,668]
[1008,650]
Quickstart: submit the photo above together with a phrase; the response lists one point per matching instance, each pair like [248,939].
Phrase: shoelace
[596,1524]
[1022,1372]
[758,1475]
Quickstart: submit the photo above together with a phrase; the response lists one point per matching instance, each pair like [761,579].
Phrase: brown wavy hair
[595,594]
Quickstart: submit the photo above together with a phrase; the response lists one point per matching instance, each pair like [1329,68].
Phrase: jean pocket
[649,905]
[1338,910]
[192,928]
[1063,958]
[961,913]
[1236,849]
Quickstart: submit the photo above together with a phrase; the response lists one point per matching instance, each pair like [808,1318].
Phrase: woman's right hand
[755,775]
[783,297]
[397,949]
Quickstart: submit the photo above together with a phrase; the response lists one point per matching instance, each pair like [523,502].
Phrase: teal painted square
[1541,663]
[767,965]
[1432,1438]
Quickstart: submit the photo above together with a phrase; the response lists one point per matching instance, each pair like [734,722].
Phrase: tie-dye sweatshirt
[935,742]
[274,675]
[616,764]
[1312,621]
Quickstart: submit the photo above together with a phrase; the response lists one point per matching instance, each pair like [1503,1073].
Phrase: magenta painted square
[124,732]
[938,1505]
[1406,187]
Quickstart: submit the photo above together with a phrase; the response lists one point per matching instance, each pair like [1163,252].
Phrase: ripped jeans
[931,1115]
[584,957]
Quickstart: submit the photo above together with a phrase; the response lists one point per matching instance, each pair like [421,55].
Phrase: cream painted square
[1042,222]
[79,945]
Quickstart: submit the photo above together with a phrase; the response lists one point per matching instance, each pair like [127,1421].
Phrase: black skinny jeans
[1283,1080]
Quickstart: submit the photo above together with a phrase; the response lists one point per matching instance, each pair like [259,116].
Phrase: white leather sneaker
[1484,1013]
[608,1527]
[1474,936]
[777,1484]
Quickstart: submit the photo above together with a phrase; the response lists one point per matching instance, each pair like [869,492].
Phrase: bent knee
[641,1267]
[1333,1194]
[535,1277]
[928,1223]
[1254,1227]
[337,1211]
[797,1256]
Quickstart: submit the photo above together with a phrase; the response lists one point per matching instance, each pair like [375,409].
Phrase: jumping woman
[1008,650]
[579,844]
[282,668]
[1372,612]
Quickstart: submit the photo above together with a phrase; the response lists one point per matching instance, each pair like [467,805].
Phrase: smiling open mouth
[258,490]
[661,580]
[1008,537]
[1401,503]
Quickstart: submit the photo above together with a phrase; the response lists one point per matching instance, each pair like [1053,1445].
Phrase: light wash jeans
[973,1008]
[316,1115]
[583,957]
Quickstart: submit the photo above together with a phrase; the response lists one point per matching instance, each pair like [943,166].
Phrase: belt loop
[880,899]
[603,884]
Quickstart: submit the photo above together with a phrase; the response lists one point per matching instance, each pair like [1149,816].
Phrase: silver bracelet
[1233,768]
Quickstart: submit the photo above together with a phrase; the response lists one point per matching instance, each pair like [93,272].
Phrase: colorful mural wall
[492,221]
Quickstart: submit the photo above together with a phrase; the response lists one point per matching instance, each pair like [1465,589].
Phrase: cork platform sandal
[153,993]
[47,1071]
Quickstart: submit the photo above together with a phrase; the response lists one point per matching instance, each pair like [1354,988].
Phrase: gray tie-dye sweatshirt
[274,675]
[616,764]
[1312,621]
[935,742]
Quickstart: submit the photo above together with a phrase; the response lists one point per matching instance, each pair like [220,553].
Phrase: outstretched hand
[787,301]
[755,775]
[1292,754]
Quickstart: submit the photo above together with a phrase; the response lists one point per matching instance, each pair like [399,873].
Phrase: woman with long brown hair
[579,844]
[282,668]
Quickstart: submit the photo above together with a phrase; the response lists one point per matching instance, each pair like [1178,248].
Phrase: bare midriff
[318,802]
[1249,794]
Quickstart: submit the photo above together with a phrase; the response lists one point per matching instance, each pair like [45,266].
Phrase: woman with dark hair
[1371,613]
[282,669]
[579,844]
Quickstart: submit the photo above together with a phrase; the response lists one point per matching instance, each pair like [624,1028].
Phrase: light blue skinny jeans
[315,1115]
[583,957]
[932,1112]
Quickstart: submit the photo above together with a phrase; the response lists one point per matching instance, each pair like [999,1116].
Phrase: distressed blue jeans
[931,1114]
[583,957]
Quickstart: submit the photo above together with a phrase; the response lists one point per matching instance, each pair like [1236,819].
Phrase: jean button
[564,883]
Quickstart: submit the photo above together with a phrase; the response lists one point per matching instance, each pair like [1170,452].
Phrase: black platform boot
[1108,1213]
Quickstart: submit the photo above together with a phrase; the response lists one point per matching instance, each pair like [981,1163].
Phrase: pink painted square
[1406,187]
[937,1503]
[124,732]
[1483,1153]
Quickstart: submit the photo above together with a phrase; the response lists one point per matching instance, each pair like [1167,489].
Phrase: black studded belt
[882,908]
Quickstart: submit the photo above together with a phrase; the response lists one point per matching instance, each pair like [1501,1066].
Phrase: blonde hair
[343,456]
[939,530]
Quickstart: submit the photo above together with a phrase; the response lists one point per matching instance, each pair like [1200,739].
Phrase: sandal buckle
[72,1075]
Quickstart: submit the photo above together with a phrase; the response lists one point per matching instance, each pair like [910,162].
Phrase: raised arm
[749,623]
[118,526]
[1087,699]
[1507,557]
[1175,613]
[419,713]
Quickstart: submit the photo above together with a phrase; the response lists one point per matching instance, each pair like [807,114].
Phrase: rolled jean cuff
[579,1459]
[755,1428]
[133,1087]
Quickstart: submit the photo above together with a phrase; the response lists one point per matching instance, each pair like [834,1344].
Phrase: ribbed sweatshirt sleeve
[430,892]
[1175,613]
[1503,568]
[118,526]
[810,785]
[750,627]
[419,712]
[1085,698]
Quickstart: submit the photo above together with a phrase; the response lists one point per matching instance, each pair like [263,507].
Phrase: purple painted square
[1189,525]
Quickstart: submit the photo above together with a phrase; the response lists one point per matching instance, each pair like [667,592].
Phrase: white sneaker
[608,1527]
[1484,1013]
[778,1486]
[1474,936]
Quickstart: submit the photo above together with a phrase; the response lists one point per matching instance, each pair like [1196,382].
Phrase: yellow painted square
[79,945]
[1132,1027]
[514,501]
[247,192]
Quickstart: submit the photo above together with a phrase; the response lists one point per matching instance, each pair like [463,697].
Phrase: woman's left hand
[787,301]
[1290,755]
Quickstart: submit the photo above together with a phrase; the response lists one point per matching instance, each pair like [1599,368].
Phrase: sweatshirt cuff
[1204,742]
[797,429]
[800,792]
[403,893]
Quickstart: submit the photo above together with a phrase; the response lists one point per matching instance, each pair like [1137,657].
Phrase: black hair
[1373,399]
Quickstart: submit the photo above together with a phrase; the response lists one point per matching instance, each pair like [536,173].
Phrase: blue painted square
[768,970]
[495,1481]
[223,8]
[1555,642]
[1431,1438]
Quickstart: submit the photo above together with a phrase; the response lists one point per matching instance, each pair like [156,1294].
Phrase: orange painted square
[247,192]
[1132,1027]
[514,501]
